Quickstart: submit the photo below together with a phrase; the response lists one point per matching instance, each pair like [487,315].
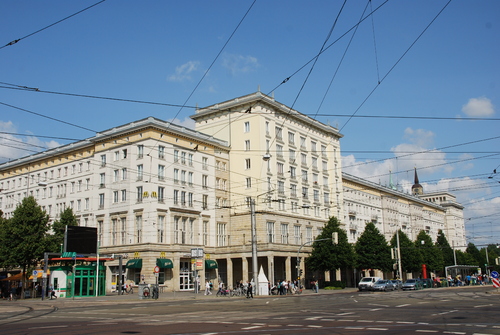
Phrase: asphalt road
[462,310]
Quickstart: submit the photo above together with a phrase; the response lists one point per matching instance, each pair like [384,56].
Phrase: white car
[366,283]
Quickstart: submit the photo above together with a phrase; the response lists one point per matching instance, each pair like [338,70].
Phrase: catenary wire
[50,25]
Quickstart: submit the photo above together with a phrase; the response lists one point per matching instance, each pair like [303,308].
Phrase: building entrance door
[185,280]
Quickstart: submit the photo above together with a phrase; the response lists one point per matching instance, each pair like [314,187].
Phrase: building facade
[150,187]
[256,178]
[289,165]
[390,210]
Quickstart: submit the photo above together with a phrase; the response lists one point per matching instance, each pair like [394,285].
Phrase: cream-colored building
[150,187]
[157,192]
[289,165]
[390,210]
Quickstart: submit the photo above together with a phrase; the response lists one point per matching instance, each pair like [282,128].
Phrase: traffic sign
[496,282]
[494,274]
[157,269]
[35,273]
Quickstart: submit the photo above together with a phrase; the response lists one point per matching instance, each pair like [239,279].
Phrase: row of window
[278,133]
[183,231]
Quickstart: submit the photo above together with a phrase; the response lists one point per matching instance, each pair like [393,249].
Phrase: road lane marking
[377,328]
[48,327]
[404,305]
[457,333]
[251,327]
[425,331]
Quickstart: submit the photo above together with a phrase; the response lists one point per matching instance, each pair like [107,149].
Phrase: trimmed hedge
[334,285]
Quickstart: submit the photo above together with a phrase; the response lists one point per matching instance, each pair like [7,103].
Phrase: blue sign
[494,274]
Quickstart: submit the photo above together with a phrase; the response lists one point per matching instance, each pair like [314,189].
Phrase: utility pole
[255,264]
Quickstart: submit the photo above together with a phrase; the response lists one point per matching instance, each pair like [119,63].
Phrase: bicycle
[223,292]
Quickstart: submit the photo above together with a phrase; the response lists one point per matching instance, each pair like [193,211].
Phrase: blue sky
[394,67]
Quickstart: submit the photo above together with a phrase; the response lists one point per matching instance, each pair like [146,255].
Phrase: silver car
[398,284]
[383,285]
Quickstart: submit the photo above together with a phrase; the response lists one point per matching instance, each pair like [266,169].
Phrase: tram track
[25,314]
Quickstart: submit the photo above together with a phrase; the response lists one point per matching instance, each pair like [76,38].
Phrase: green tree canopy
[372,250]
[431,255]
[474,252]
[446,250]
[25,235]
[410,256]
[67,218]
[327,256]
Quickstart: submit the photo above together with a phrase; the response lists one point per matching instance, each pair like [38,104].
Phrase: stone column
[230,279]
[270,266]
[244,268]
[288,269]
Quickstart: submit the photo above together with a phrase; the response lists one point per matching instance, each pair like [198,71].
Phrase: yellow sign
[207,256]
[136,254]
[163,254]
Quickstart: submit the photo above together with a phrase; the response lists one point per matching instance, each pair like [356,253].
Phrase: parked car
[412,284]
[366,283]
[398,284]
[383,285]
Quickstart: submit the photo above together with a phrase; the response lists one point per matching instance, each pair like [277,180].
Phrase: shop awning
[15,277]
[134,263]
[164,263]
[210,264]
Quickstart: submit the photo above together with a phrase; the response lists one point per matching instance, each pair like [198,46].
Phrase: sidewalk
[114,298]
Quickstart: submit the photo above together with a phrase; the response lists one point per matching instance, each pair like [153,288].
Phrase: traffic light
[335,237]
[301,272]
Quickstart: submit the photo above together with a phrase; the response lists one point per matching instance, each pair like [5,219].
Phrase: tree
[25,235]
[430,253]
[67,218]
[410,257]
[446,250]
[327,256]
[475,254]
[372,250]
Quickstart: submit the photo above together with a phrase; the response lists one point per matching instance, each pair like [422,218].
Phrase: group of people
[284,287]
[471,279]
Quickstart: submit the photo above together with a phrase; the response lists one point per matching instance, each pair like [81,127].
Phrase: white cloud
[187,122]
[236,64]
[13,147]
[478,107]
[421,137]
[184,71]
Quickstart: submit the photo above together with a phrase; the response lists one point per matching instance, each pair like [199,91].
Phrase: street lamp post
[253,223]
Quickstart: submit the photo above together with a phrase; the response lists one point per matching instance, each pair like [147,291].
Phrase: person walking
[207,288]
[249,290]
[316,286]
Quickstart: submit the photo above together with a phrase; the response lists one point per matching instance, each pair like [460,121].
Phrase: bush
[334,285]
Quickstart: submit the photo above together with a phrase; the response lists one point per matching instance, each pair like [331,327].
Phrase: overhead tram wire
[40,136]
[312,59]
[396,63]
[340,63]
[48,117]
[215,59]
[25,88]
[51,25]
[424,151]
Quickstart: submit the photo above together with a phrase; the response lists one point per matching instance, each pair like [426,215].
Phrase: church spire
[417,189]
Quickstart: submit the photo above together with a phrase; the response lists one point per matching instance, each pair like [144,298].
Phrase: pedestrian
[316,286]
[207,288]
[249,290]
